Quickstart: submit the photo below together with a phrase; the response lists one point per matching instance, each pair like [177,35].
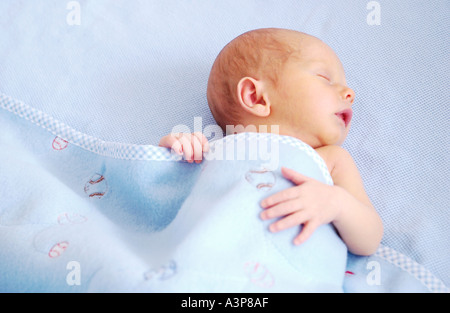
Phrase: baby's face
[312,100]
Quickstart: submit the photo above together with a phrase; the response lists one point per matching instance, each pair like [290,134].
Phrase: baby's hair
[258,54]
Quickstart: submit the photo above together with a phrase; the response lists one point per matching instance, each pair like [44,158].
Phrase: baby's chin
[336,140]
[341,140]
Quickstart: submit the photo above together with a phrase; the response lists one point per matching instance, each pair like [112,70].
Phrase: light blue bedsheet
[80,214]
[132,70]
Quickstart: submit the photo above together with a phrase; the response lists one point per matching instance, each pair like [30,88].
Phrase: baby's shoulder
[334,156]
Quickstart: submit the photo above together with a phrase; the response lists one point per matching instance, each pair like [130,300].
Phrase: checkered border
[84,141]
[138,152]
[273,138]
[149,152]
[424,276]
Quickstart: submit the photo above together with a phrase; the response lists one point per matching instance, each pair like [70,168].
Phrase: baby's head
[285,78]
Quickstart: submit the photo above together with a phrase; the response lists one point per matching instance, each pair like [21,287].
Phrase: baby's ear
[253,97]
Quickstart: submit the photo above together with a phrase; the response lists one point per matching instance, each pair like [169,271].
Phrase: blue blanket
[80,214]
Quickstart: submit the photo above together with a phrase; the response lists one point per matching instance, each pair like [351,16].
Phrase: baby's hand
[310,203]
[191,146]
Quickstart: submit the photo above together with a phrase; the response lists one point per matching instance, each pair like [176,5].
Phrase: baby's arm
[358,223]
[313,203]
[191,146]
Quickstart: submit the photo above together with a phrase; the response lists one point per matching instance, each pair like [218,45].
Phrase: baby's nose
[348,94]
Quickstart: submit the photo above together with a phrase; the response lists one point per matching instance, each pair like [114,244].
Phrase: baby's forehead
[315,53]
[305,47]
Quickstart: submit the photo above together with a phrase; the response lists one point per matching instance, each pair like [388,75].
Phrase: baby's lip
[346,116]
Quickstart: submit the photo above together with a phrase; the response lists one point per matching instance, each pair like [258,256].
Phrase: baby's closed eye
[325,76]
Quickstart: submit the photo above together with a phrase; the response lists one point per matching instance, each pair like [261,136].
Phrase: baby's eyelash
[324,76]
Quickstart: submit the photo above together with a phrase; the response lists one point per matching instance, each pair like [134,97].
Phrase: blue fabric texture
[125,220]
[118,217]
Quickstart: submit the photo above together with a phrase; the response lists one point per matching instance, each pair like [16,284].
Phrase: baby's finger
[186,144]
[282,209]
[296,177]
[282,196]
[306,232]
[171,141]
[203,140]
[289,221]
[197,148]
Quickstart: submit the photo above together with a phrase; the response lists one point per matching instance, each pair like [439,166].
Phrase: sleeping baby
[295,81]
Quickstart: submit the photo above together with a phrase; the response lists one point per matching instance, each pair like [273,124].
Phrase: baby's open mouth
[346,116]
